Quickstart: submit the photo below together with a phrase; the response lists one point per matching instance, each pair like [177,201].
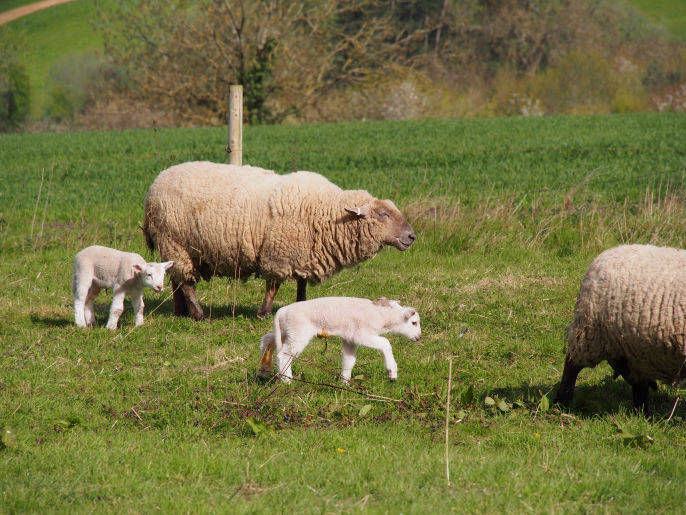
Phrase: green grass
[8,5]
[509,214]
[670,13]
[51,35]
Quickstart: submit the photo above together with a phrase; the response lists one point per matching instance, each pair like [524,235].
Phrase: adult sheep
[630,311]
[214,219]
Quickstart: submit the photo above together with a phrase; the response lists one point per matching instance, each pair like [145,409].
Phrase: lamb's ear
[167,264]
[381,301]
[137,269]
[361,211]
[409,313]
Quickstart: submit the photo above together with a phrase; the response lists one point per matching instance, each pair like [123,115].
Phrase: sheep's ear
[381,301]
[167,264]
[361,211]
[409,313]
[137,269]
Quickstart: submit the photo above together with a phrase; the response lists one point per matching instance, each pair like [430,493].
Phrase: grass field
[169,416]
[670,13]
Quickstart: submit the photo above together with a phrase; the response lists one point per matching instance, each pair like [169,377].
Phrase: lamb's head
[410,327]
[152,274]
[386,223]
[407,324]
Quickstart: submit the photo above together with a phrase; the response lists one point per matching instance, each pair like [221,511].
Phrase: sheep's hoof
[263,314]
[197,315]
[264,373]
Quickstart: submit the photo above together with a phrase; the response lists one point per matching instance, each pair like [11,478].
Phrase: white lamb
[359,322]
[126,273]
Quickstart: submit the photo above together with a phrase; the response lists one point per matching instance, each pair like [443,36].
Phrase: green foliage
[51,36]
[72,84]
[14,82]
[509,213]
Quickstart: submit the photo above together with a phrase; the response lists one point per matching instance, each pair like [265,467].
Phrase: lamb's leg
[180,307]
[272,288]
[117,308]
[80,288]
[384,346]
[138,307]
[302,290]
[349,358]
[79,312]
[566,390]
[292,347]
[194,308]
[89,307]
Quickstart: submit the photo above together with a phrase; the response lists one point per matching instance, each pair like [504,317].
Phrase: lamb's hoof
[263,314]
[392,376]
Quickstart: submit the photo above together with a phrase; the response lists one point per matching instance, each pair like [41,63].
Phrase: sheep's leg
[566,390]
[384,346]
[194,309]
[180,308]
[619,367]
[302,290]
[272,288]
[138,307]
[116,309]
[639,392]
[349,358]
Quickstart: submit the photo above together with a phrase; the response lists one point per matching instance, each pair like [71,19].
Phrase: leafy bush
[72,83]
[345,59]
[14,84]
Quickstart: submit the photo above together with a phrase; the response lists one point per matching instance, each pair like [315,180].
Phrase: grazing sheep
[359,322]
[234,221]
[96,268]
[631,311]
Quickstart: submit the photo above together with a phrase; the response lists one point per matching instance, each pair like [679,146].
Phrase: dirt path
[13,14]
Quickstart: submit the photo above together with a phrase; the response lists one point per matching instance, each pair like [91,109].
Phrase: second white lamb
[358,322]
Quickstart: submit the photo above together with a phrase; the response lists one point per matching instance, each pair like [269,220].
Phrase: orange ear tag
[323,334]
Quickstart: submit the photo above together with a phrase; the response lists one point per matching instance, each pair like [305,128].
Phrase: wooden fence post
[235,148]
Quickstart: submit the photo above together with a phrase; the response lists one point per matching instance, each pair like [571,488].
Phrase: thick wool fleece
[223,220]
[632,305]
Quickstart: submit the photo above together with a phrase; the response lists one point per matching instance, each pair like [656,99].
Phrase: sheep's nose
[412,235]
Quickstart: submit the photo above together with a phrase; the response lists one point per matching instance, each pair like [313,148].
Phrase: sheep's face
[152,274]
[387,223]
[410,327]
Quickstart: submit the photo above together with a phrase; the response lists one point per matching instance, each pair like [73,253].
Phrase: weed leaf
[365,409]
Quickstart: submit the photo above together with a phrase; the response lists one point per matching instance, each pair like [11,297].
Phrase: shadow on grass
[51,321]
[609,396]
[211,311]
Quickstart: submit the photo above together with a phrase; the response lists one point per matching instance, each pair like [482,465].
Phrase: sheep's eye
[149,275]
[414,323]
